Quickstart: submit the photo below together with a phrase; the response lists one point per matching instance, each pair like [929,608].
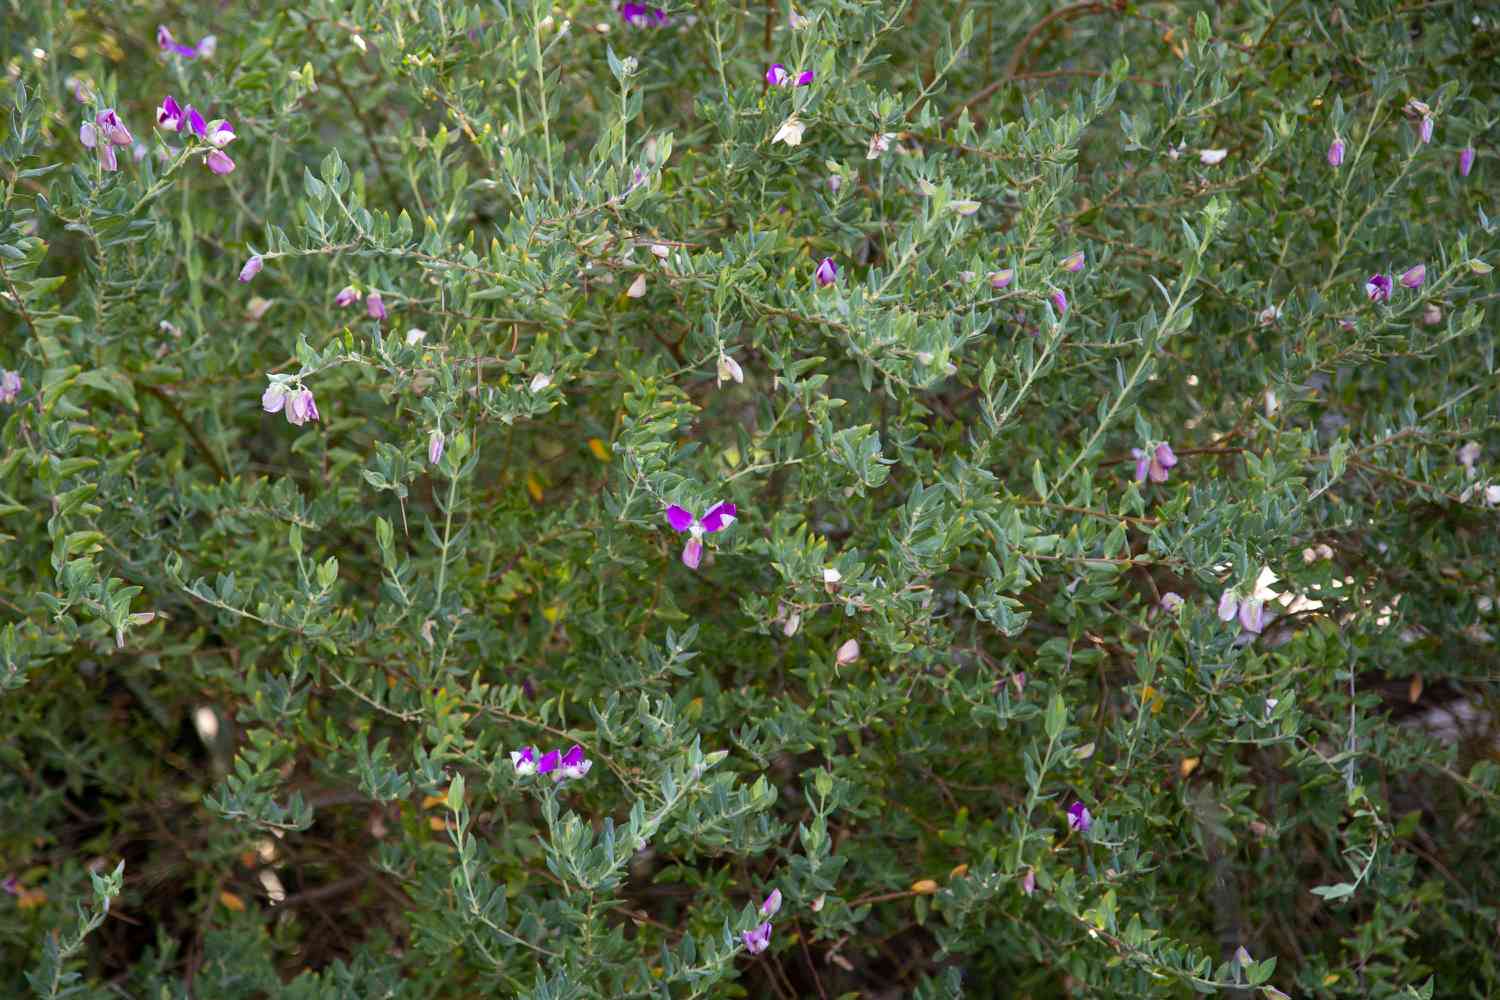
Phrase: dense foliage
[1105,394]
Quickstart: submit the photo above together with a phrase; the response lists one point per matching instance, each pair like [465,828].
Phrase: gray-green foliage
[278,671]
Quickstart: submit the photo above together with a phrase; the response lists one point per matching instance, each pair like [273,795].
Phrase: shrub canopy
[1015,479]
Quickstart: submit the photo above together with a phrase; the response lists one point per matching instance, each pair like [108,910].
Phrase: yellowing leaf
[31,898]
[1330,979]
[924,887]
[432,801]
[599,448]
[552,613]
[436,823]
[959,872]
[1187,766]
[232,902]
[534,487]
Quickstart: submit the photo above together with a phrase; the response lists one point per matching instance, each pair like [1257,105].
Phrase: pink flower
[1465,161]
[1336,153]
[1028,882]
[375,306]
[1073,262]
[772,904]
[347,296]
[757,940]
[252,268]
[717,518]
[10,386]
[1060,303]
[300,407]
[827,272]
[219,162]
[1154,463]
[436,441]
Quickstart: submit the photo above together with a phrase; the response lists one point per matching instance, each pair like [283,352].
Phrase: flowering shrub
[866,499]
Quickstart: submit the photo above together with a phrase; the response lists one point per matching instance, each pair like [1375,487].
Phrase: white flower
[1212,156]
[847,654]
[831,575]
[637,287]
[964,206]
[880,142]
[415,336]
[730,369]
[790,132]
[540,381]
[661,250]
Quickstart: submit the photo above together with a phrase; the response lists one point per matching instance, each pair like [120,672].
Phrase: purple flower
[549,762]
[1424,129]
[112,128]
[1002,278]
[1171,602]
[637,15]
[274,398]
[11,886]
[524,760]
[1253,616]
[574,765]
[1336,153]
[718,517]
[1227,604]
[435,444]
[805,78]
[10,386]
[1465,161]
[167,43]
[252,268]
[847,653]
[219,162]
[1378,288]
[1154,463]
[777,75]
[1060,303]
[772,904]
[757,940]
[827,272]
[1073,262]
[347,296]
[301,407]
[375,306]
[1079,817]
[1413,277]
[194,121]
[1028,882]
[169,116]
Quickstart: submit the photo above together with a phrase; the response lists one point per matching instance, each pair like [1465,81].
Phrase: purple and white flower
[717,518]
[777,75]
[167,43]
[169,116]
[1059,302]
[1155,463]
[436,442]
[1413,277]
[10,386]
[757,940]
[1079,817]
[1002,278]
[347,296]
[1336,152]
[252,268]
[102,135]
[1073,262]
[847,653]
[219,133]
[638,15]
[524,761]
[1465,161]
[573,765]
[827,272]
[1378,288]
[772,904]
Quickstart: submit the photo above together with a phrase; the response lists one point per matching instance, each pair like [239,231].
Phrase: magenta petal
[679,519]
[573,757]
[692,553]
[719,517]
[1252,616]
[219,162]
[549,762]
[804,79]
[1142,464]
